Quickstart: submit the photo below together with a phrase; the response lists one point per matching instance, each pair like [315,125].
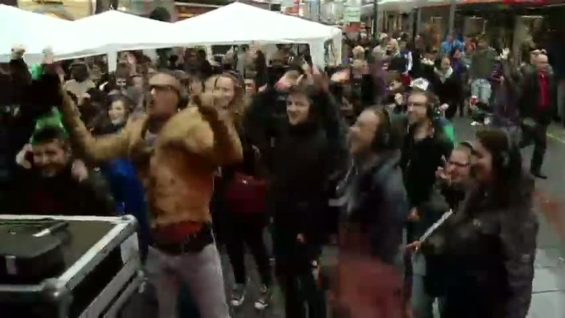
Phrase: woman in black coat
[303,159]
[490,242]
[447,86]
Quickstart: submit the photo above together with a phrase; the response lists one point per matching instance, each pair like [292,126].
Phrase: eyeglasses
[411,104]
[458,164]
[161,88]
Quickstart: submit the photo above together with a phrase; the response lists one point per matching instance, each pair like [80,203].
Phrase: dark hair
[432,101]
[314,95]
[506,161]
[128,103]
[50,134]
[387,135]
[453,51]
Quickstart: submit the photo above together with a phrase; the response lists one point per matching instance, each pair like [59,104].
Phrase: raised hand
[17,52]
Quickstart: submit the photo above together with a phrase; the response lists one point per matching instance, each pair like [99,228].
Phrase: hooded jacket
[177,172]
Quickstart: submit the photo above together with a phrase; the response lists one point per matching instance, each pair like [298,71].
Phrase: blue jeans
[482,89]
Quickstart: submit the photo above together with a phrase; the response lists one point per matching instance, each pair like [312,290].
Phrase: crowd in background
[211,155]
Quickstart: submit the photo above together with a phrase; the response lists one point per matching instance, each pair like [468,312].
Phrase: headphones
[505,155]
[432,103]
[432,107]
[183,101]
[382,139]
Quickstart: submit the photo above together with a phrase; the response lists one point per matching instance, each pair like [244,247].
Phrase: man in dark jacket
[537,104]
[375,211]
[425,148]
[50,186]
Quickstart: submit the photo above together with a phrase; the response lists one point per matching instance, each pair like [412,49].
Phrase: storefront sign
[525,1]
[352,12]
[508,2]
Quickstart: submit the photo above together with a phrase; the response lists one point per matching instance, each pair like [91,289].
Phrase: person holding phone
[453,180]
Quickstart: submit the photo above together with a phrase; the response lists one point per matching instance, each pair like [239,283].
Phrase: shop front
[517,24]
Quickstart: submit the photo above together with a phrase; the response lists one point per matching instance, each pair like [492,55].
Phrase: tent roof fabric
[33,31]
[241,23]
[112,30]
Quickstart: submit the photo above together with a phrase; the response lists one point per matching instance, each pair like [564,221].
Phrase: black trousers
[537,135]
[295,274]
[247,230]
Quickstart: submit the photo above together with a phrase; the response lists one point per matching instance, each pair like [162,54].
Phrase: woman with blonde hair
[240,197]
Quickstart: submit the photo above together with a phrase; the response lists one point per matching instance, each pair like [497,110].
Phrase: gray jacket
[482,64]
[377,204]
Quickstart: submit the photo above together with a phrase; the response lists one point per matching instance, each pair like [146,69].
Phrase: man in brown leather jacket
[176,154]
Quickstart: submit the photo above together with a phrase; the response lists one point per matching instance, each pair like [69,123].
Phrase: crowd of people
[213,157]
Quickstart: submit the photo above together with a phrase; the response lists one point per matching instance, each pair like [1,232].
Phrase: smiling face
[250,87]
[458,166]
[117,112]
[50,157]
[417,108]
[482,163]
[225,90]
[121,82]
[362,133]
[445,64]
[298,108]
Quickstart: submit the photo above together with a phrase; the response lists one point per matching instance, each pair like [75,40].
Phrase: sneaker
[264,298]
[238,295]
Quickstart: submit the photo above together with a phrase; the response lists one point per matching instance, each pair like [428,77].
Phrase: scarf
[444,76]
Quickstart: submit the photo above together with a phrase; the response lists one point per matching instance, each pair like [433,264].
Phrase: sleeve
[369,90]
[98,197]
[227,145]
[256,120]
[95,148]
[410,62]
[518,237]
[435,206]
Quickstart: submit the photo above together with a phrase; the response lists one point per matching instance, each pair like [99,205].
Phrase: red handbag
[246,194]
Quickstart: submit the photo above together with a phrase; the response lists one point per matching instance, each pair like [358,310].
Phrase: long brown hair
[237,105]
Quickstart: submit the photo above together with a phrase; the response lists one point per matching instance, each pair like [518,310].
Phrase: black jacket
[419,162]
[61,195]
[449,91]
[300,177]
[490,249]
[530,97]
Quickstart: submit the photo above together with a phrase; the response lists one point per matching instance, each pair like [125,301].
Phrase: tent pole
[452,8]
[375,19]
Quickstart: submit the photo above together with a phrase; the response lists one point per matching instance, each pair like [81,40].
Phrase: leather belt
[193,243]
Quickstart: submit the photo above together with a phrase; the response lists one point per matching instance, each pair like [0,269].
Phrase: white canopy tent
[114,31]
[32,31]
[240,23]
